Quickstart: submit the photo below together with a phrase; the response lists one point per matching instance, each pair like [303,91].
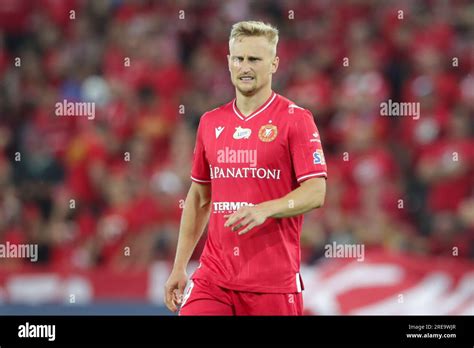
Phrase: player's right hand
[174,289]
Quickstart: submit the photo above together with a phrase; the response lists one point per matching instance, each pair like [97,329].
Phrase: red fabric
[15,15]
[436,34]
[113,227]
[133,75]
[447,193]
[85,151]
[144,212]
[168,81]
[204,298]
[313,92]
[59,10]
[14,235]
[57,134]
[372,165]
[4,61]
[415,135]
[288,151]
[442,87]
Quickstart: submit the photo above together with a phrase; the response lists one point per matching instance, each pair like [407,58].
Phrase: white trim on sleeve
[312,175]
[199,180]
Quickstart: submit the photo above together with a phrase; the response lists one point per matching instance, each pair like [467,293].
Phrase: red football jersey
[249,160]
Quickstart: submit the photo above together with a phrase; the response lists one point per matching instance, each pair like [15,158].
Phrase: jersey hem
[246,288]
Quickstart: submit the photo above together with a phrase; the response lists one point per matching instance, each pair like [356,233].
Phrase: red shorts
[204,298]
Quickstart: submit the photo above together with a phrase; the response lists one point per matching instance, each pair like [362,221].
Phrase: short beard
[247,92]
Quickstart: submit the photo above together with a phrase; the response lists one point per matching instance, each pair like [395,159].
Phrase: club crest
[268,133]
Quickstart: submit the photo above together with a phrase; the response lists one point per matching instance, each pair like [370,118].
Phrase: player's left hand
[248,217]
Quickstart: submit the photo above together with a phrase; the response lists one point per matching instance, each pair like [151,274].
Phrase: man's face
[251,63]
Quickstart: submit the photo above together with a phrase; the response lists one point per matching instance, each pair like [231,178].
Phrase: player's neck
[248,104]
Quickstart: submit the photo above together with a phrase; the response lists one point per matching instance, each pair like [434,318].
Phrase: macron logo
[219,131]
[37,331]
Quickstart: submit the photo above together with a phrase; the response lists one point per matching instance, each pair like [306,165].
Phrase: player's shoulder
[292,109]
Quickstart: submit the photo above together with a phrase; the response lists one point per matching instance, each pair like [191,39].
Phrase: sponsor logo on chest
[222,207]
[242,133]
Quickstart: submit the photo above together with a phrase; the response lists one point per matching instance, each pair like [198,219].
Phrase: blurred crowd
[109,191]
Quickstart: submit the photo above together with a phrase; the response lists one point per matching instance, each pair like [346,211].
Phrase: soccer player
[258,166]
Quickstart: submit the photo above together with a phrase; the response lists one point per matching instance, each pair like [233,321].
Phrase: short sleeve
[306,148]
[200,172]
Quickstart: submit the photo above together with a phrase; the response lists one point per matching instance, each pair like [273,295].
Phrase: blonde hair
[255,28]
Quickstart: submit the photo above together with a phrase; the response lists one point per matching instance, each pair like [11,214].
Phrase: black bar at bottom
[136,331]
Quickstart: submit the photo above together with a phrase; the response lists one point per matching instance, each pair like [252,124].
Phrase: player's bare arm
[310,195]
[193,221]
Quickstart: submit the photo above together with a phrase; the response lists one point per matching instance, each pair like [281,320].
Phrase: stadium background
[102,197]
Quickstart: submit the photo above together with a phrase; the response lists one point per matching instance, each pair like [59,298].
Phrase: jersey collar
[256,112]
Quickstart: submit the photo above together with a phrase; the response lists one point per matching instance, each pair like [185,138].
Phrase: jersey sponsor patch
[225,207]
[268,133]
[242,133]
[318,157]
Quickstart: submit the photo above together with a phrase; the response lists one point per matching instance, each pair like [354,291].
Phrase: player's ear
[275,63]
[228,61]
